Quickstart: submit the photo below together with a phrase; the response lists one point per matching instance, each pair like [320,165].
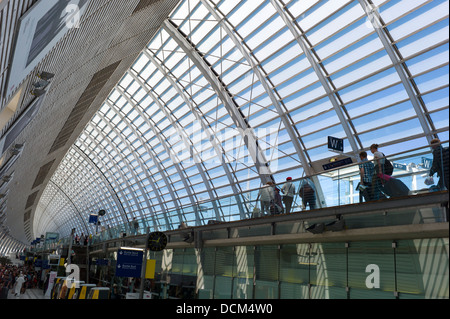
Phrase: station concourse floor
[29,294]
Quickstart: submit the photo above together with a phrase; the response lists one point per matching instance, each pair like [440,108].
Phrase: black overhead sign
[335,144]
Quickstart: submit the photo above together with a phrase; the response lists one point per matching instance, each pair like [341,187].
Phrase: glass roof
[230,92]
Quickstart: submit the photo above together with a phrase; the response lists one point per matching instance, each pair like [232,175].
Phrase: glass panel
[422,268]
[267,272]
[329,260]
[243,272]
[295,271]
[223,273]
[205,284]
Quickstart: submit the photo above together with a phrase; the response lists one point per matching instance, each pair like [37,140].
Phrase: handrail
[338,189]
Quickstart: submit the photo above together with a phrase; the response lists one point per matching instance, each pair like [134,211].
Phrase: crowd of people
[82,239]
[275,200]
[272,198]
[373,176]
[132,229]
[17,279]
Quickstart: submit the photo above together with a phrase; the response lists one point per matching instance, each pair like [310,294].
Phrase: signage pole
[69,254]
[87,261]
[144,265]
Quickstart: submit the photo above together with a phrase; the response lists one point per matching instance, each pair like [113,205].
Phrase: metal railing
[333,188]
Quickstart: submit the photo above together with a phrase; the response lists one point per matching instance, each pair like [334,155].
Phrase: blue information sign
[337,164]
[129,263]
[38,263]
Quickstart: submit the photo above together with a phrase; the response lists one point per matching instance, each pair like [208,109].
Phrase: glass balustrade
[335,187]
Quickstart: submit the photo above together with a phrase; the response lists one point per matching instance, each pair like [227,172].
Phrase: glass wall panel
[177,261]
[267,272]
[223,271]
[330,263]
[189,263]
[422,269]
[243,272]
[206,280]
[295,271]
[183,274]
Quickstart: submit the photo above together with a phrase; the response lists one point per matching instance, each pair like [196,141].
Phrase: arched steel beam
[167,149]
[299,37]
[106,181]
[80,164]
[205,128]
[119,170]
[104,204]
[3,247]
[44,219]
[150,152]
[73,204]
[38,223]
[14,246]
[5,244]
[269,90]
[245,130]
[138,182]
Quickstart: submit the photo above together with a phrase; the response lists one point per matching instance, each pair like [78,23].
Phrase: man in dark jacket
[308,195]
[440,163]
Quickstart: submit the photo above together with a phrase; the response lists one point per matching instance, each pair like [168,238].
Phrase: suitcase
[395,187]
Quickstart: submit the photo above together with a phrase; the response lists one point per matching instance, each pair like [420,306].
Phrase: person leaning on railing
[379,161]
[308,194]
[440,163]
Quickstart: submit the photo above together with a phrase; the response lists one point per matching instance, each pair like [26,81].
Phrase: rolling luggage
[394,187]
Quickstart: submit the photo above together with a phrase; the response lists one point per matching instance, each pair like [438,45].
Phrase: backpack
[306,190]
[275,204]
[388,167]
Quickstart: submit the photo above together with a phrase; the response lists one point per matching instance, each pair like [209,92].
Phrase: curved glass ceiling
[231,93]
